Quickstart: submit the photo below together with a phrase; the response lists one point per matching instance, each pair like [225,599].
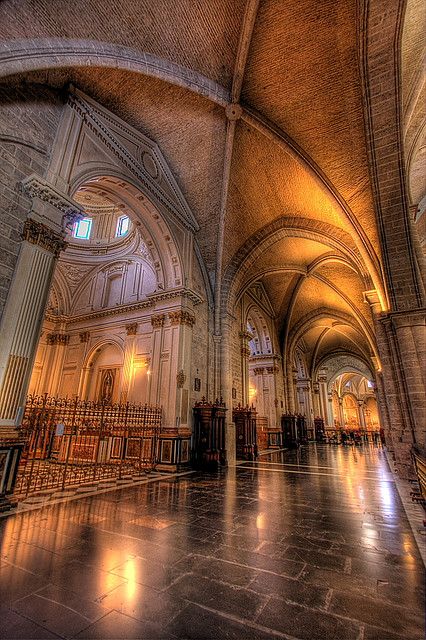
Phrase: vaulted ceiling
[280,182]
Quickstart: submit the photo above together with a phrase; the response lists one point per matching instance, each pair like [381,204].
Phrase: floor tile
[262,550]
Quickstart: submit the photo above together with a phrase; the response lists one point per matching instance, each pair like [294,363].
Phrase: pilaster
[401,346]
[43,238]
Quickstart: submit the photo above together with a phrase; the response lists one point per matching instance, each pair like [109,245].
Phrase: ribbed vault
[279,180]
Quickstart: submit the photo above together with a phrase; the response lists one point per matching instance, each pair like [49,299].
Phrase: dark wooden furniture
[245,432]
[208,437]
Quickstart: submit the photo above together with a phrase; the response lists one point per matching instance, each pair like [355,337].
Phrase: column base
[10,454]
[8,431]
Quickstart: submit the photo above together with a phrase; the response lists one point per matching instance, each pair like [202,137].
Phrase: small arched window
[123,223]
[82,229]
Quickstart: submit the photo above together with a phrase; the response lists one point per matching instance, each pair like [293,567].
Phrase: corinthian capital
[37,188]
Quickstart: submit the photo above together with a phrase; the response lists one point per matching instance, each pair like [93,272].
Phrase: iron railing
[75,442]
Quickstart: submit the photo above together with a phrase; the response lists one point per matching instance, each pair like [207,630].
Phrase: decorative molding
[182,317]
[103,313]
[180,379]
[132,329]
[157,321]
[265,356]
[58,338]
[245,352]
[246,335]
[175,293]
[152,298]
[36,187]
[150,167]
[84,336]
[258,371]
[372,298]
[274,369]
[40,235]
[72,274]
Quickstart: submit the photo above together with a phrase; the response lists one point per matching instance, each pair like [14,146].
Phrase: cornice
[152,299]
[102,313]
[265,357]
[176,293]
[36,187]
[42,236]
[96,119]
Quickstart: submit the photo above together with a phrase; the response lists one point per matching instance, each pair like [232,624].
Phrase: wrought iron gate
[76,442]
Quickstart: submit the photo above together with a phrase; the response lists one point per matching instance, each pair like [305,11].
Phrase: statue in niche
[107,385]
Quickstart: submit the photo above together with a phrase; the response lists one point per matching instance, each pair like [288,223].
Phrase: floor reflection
[311,543]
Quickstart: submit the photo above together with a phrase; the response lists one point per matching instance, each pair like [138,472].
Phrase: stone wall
[29,117]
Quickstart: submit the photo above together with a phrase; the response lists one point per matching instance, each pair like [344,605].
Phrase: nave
[309,544]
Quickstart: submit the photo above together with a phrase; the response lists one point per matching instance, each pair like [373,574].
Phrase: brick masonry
[29,117]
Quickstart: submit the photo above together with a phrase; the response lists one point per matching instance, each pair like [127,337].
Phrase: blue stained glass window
[82,229]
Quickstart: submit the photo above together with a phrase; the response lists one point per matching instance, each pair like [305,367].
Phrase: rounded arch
[337,364]
[154,228]
[336,318]
[258,325]
[261,241]
[103,366]
[23,56]
[98,346]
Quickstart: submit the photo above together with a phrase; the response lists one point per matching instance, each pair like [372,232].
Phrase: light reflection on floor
[307,544]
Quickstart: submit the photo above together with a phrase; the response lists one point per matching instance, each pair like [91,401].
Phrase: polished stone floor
[311,545]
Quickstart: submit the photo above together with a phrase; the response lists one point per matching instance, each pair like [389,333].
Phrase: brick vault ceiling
[299,154]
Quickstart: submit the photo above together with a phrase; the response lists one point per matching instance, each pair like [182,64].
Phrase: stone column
[245,355]
[226,386]
[330,412]
[52,213]
[305,400]
[291,389]
[316,398]
[342,420]
[322,381]
[260,401]
[273,412]
[129,358]
[407,330]
[84,337]
[157,323]
[361,415]
[402,379]
[184,320]
[54,362]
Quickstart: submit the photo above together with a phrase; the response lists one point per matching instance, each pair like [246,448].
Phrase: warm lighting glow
[130,575]
[260,521]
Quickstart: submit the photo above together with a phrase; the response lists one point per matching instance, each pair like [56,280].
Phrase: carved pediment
[140,155]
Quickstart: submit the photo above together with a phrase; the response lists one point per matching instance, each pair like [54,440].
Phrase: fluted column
[56,344]
[42,241]
[183,321]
